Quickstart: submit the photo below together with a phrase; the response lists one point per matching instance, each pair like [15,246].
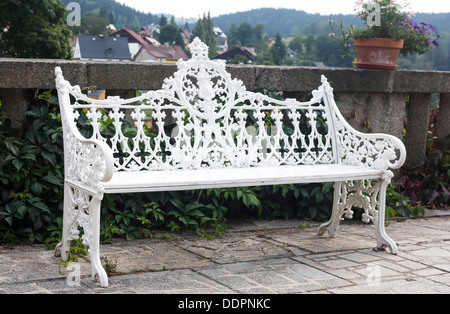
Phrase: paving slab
[254,257]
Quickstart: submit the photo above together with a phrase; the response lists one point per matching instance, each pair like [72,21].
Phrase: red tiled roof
[248,52]
[173,53]
[126,31]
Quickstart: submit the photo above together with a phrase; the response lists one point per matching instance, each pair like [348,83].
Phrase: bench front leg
[369,195]
[94,248]
[82,209]
[379,216]
[340,208]
[70,226]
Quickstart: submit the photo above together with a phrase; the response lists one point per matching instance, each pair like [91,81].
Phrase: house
[111,28]
[150,30]
[99,94]
[318,64]
[102,48]
[186,35]
[152,41]
[247,52]
[73,43]
[222,44]
[221,39]
[135,41]
[162,54]
[271,42]
[148,33]
[291,54]
[218,32]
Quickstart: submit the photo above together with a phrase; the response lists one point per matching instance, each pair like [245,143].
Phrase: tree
[325,49]
[205,31]
[170,34]
[111,17]
[233,35]
[173,22]
[238,59]
[103,12]
[91,25]
[106,14]
[34,29]
[258,32]
[199,30]
[296,44]
[135,24]
[309,41]
[162,21]
[278,50]
[245,34]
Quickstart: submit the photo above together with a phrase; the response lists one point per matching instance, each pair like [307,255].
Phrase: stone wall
[373,101]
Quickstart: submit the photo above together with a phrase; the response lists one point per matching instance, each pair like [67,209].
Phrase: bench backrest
[203,118]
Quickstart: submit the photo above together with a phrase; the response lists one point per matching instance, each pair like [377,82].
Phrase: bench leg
[82,209]
[362,194]
[383,240]
[94,249]
[339,208]
[68,232]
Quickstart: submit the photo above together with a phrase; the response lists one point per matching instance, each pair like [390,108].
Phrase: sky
[196,9]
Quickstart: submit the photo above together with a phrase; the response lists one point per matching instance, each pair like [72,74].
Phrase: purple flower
[411,22]
[435,43]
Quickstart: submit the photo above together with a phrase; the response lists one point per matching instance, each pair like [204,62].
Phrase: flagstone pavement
[254,257]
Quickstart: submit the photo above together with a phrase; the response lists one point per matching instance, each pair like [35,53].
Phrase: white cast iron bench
[221,135]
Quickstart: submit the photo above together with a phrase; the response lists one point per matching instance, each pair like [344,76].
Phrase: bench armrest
[373,150]
[86,161]
[379,151]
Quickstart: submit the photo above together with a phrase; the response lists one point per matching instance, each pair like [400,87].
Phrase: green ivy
[31,174]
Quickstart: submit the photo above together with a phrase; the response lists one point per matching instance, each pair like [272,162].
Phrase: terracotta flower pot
[378,53]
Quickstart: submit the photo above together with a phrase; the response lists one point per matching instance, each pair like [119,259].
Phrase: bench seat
[154,181]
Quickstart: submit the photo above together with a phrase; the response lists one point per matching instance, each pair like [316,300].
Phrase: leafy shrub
[429,184]
[400,205]
[31,174]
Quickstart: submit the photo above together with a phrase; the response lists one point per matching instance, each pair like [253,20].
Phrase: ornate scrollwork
[82,211]
[214,122]
[85,163]
[370,195]
[78,216]
[379,152]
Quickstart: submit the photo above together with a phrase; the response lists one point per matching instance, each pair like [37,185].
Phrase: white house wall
[134,49]
[144,56]
[76,51]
